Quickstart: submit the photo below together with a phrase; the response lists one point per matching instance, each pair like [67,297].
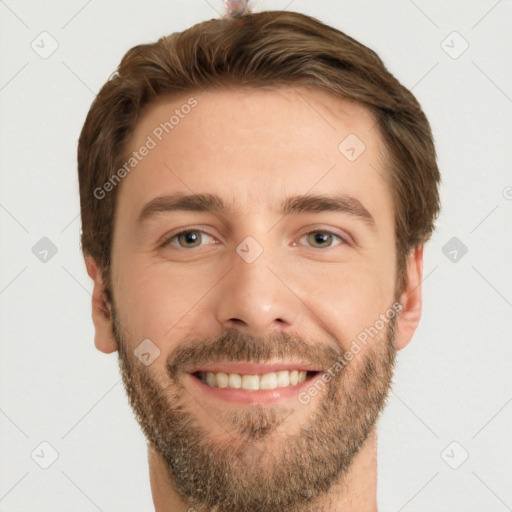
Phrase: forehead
[256,146]
[223,119]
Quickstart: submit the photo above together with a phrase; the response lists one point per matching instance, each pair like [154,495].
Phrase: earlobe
[411,299]
[101,310]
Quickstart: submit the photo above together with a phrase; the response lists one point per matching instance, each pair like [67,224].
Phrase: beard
[259,465]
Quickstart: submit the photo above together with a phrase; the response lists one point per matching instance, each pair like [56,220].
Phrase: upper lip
[246,368]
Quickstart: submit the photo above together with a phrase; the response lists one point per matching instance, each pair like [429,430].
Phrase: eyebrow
[308,203]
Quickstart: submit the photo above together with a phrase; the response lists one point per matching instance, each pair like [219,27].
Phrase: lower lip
[244,396]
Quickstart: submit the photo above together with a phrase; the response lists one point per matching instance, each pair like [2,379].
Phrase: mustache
[234,345]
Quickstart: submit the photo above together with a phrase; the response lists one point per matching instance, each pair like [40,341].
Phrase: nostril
[236,321]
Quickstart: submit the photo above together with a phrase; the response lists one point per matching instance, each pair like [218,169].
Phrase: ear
[411,299]
[101,316]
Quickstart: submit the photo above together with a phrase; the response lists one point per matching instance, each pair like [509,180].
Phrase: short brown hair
[272,48]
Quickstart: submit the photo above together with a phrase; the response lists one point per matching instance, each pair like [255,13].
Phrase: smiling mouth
[254,382]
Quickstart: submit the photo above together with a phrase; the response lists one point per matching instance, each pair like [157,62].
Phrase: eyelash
[168,239]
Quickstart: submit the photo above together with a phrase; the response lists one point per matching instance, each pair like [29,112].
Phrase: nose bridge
[253,296]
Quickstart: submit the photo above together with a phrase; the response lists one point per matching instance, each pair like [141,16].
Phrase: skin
[254,148]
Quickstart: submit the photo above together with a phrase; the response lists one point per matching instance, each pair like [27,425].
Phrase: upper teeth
[253,382]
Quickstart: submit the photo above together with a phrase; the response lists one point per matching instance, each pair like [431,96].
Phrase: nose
[255,298]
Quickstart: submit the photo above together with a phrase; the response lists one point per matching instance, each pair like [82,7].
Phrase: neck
[357,492]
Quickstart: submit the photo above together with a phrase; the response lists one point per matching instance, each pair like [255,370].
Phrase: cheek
[349,297]
[158,297]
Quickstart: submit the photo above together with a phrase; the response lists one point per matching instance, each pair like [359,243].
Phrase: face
[268,304]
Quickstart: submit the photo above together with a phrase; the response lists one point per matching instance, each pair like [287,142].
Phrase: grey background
[452,393]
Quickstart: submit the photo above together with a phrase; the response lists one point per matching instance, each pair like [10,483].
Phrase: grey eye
[188,239]
[321,239]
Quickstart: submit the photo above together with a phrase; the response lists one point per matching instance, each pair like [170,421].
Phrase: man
[256,194]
